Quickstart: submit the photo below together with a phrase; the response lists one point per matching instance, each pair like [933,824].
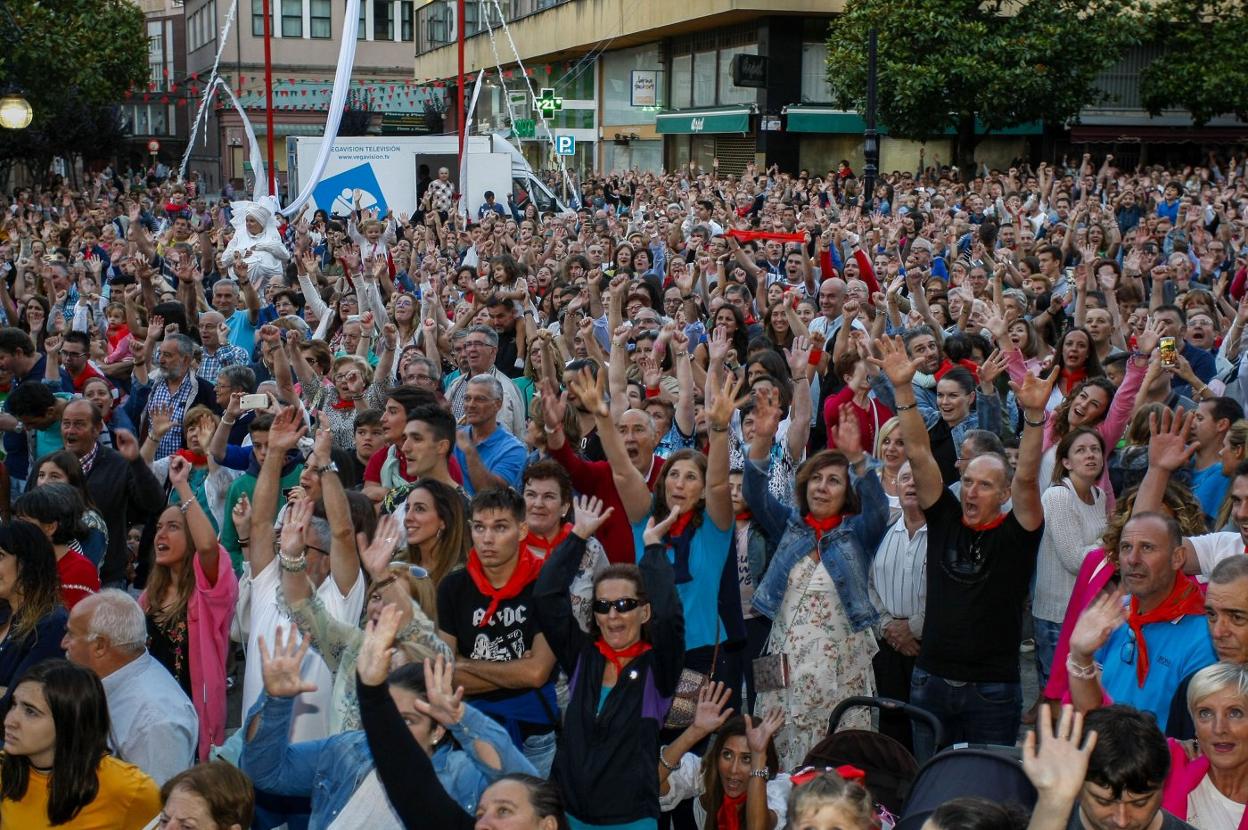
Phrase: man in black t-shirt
[979,566]
[485,612]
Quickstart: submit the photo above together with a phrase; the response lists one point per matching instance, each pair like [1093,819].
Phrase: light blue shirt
[154,725]
[708,550]
[502,453]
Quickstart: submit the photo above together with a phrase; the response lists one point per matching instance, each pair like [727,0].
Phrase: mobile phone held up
[256,401]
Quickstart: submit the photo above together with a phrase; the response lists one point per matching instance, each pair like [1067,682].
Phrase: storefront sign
[643,88]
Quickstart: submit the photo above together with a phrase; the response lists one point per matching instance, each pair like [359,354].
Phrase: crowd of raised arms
[515,520]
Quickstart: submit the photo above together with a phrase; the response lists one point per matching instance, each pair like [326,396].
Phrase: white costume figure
[257,241]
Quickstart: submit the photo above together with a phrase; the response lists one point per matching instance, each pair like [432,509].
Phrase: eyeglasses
[622,605]
[477,344]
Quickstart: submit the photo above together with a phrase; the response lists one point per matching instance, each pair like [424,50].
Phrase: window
[383,20]
[728,92]
[682,81]
[292,18]
[319,20]
[815,73]
[617,79]
[704,79]
[362,34]
[257,18]
[405,21]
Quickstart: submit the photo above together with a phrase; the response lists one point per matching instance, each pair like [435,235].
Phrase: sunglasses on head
[622,605]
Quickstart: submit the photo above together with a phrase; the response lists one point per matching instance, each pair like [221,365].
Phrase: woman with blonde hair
[890,451]
[1234,452]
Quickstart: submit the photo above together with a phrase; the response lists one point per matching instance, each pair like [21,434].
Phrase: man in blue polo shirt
[1165,637]
[489,455]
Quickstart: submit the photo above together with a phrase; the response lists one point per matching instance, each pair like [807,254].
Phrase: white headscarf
[264,252]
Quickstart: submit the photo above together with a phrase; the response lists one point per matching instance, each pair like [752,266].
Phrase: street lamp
[870,136]
[15,111]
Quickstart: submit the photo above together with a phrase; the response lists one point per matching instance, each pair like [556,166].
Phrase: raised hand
[281,667]
[1148,339]
[767,414]
[758,733]
[161,420]
[179,472]
[1033,393]
[241,516]
[991,368]
[1095,624]
[298,515]
[717,349]
[589,390]
[554,405]
[1168,447]
[798,357]
[656,532]
[719,414]
[287,429]
[126,444]
[589,515]
[897,365]
[712,710]
[377,555]
[849,434]
[373,662]
[650,372]
[444,701]
[1057,767]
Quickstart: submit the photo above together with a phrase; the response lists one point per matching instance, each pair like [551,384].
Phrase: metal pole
[268,97]
[870,138]
[459,83]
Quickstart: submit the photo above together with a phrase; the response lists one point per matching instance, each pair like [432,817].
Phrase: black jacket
[122,491]
[607,764]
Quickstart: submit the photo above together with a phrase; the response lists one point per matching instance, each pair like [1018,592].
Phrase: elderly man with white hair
[153,723]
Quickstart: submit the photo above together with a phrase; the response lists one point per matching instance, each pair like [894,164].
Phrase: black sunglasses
[623,605]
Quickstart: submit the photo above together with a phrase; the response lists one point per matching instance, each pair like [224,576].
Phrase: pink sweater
[1111,427]
[1185,776]
[208,614]
[1093,576]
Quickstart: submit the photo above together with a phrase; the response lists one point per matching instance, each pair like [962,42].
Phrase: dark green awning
[808,118]
[719,120]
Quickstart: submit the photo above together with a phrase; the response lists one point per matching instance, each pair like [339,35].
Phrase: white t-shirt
[368,808]
[1212,548]
[1208,809]
[310,719]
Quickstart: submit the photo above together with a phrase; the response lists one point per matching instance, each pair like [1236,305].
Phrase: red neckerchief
[616,657]
[991,524]
[342,404]
[728,817]
[1184,599]
[744,516]
[527,567]
[547,545]
[116,334]
[196,459]
[1070,378]
[678,526]
[822,526]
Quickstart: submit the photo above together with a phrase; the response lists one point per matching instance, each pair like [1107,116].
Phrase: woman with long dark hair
[30,586]
[56,768]
[64,466]
[624,671]
[435,527]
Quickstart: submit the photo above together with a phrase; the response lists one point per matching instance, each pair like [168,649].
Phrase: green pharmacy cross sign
[548,103]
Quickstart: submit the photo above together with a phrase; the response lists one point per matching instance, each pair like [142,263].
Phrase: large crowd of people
[488,517]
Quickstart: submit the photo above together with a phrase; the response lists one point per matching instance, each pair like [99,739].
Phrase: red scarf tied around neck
[1184,599]
[527,568]
[823,526]
[196,459]
[617,657]
[728,817]
[1070,378]
[547,546]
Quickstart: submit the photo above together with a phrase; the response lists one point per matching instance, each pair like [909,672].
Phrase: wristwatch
[331,467]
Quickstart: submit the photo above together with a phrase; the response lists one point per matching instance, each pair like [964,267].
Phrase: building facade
[154,116]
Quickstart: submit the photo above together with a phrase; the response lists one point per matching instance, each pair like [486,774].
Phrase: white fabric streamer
[201,115]
[463,157]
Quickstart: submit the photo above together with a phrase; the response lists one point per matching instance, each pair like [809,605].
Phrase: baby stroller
[992,772]
[890,768]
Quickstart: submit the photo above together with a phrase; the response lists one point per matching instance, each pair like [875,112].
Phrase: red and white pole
[459,82]
[268,96]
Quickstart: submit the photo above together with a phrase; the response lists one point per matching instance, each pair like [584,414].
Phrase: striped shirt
[899,576]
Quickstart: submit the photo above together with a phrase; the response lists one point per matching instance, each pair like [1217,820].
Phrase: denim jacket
[331,770]
[845,552]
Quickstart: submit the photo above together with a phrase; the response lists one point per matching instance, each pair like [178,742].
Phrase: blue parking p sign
[565,145]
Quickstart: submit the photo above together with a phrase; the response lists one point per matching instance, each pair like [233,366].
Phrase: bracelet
[815,356]
[294,564]
[1037,424]
[905,407]
[1081,672]
[718,429]
[653,392]
[666,765]
[229,423]
[186,505]
[763,773]
[246,541]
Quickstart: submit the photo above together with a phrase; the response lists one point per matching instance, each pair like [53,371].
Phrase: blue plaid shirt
[177,402]
[226,355]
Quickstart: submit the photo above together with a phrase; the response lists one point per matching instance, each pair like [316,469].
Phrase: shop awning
[1150,134]
[280,129]
[808,118]
[720,120]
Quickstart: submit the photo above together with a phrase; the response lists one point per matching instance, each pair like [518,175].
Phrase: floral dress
[828,662]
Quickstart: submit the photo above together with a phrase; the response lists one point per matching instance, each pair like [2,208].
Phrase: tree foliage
[73,60]
[944,65]
[1200,67]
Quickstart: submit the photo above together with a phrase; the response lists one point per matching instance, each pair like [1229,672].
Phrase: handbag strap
[805,590]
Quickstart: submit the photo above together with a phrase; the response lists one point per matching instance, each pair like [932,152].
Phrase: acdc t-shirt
[507,635]
[977,584]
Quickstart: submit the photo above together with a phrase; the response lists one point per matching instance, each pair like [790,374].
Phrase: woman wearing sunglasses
[624,673]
